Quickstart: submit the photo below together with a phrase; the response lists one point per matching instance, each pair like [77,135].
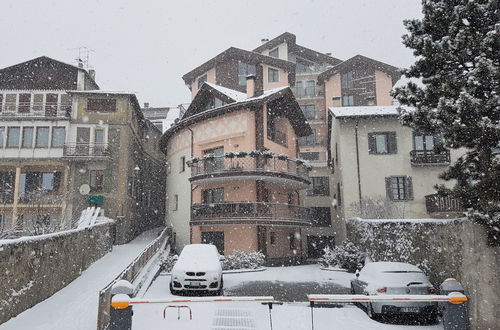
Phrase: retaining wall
[442,248]
[34,268]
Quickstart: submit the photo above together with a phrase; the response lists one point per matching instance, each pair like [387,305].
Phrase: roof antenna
[83,57]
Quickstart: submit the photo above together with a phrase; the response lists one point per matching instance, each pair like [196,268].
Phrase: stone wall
[34,268]
[442,248]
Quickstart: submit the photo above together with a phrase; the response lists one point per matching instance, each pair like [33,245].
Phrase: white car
[198,269]
[396,278]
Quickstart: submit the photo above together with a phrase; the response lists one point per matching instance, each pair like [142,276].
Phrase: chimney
[336,101]
[328,54]
[80,65]
[92,74]
[263,41]
[146,105]
[250,86]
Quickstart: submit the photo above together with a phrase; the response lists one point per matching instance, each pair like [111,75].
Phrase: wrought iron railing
[423,157]
[36,109]
[312,141]
[436,203]
[252,210]
[304,92]
[247,163]
[86,150]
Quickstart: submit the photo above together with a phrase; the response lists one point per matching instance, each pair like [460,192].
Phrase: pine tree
[457,45]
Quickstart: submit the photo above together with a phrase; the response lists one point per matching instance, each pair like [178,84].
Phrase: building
[162,117]
[382,169]
[65,145]
[243,170]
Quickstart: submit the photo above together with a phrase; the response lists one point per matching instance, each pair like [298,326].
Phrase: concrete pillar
[15,198]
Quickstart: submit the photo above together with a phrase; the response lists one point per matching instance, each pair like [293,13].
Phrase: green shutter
[388,190]
[372,148]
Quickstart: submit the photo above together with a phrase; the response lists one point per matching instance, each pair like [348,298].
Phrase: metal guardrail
[436,203]
[430,157]
[130,273]
[36,109]
[86,150]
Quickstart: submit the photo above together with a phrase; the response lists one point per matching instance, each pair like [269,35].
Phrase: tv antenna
[83,56]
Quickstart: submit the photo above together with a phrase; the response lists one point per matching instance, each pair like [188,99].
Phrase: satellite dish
[84,189]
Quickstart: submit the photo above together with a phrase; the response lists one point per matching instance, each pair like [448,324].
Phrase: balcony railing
[315,115]
[251,212]
[304,92]
[436,203]
[37,110]
[86,150]
[312,141]
[430,157]
[255,164]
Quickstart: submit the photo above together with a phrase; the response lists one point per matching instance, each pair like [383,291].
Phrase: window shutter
[107,181]
[392,143]
[409,188]
[372,148]
[388,190]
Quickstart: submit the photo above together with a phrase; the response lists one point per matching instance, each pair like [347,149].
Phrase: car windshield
[243,164]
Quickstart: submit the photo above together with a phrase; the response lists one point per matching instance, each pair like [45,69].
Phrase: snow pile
[346,256]
[167,262]
[243,260]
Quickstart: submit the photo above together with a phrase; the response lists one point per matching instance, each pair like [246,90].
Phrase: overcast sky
[146,46]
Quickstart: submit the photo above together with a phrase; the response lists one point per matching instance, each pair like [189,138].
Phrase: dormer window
[244,70]
[274,53]
[273,75]
[202,80]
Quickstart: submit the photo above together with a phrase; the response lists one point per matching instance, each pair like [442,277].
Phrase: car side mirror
[357,273]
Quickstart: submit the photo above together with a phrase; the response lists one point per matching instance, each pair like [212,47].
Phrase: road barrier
[453,298]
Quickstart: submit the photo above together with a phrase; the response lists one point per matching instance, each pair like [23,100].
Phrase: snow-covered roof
[100,91]
[172,114]
[267,93]
[365,111]
[404,81]
[231,93]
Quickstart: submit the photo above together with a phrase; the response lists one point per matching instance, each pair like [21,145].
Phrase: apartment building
[385,170]
[65,145]
[233,176]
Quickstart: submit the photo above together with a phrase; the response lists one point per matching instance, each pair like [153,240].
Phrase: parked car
[198,269]
[378,278]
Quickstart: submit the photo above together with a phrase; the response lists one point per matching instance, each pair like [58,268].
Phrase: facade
[241,188]
[382,169]
[65,145]
[162,117]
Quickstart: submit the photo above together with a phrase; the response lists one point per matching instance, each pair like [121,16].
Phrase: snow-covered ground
[248,315]
[75,306]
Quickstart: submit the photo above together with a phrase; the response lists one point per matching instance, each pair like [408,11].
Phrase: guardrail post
[455,316]
[121,313]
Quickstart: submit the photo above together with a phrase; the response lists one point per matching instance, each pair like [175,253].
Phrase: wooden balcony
[429,158]
[251,213]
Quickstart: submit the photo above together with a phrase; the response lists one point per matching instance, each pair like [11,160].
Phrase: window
[320,186]
[306,88]
[182,164]
[382,143]
[96,180]
[293,244]
[175,203]
[51,104]
[274,53]
[58,136]
[42,137]
[24,103]
[10,102]
[273,75]
[7,187]
[218,102]
[304,66]
[38,102]
[321,216]
[212,196]
[27,137]
[13,136]
[1,102]
[216,163]
[2,136]
[243,71]
[309,111]
[426,141]
[339,195]
[309,155]
[347,101]
[202,80]
[35,185]
[399,188]
[272,238]
[347,80]
[101,105]
[99,136]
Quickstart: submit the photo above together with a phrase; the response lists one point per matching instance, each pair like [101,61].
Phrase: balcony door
[213,196]
[215,162]
[51,105]
[423,142]
[214,237]
[82,140]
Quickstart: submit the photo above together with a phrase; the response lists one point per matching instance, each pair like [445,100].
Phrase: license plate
[194,284]
[409,309]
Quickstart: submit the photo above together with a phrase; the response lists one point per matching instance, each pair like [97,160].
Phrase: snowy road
[245,315]
[75,306]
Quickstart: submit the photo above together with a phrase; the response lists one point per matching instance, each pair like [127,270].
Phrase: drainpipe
[357,164]
[192,189]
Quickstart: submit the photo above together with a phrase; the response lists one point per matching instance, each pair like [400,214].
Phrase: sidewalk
[75,306]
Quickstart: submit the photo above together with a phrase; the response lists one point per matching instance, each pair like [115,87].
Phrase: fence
[130,274]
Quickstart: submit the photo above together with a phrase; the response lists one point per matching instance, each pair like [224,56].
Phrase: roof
[354,61]
[42,73]
[365,111]
[239,54]
[305,52]
[99,91]
[231,93]
[283,94]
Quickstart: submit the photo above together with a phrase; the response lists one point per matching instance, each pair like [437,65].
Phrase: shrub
[243,260]
[346,256]
[167,262]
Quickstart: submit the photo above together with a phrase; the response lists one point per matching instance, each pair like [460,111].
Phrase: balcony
[251,213]
[435,203]
[250,166]
[429,158]
[36,110]
[312,141]
[86,151]
[306,92]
